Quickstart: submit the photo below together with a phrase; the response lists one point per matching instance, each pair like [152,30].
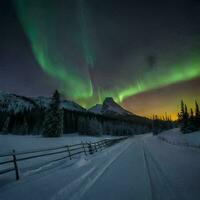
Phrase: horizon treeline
[162,123]
[189,120]
[54,121]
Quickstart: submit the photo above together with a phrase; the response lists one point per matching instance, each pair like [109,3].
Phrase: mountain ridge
[17,103]
[109,106]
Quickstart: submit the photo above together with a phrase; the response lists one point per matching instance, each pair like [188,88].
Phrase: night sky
[145,54]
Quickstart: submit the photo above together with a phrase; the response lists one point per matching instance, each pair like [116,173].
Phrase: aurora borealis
[51,59]
[94,49]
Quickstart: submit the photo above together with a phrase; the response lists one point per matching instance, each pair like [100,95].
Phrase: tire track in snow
[148,184]
[69,189]
[88,180]
[98,174]
[158,172]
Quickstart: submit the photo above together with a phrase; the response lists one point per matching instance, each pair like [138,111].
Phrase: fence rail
[71,150]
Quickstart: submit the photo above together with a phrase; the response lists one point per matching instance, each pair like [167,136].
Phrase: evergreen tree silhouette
[197,115]
[191,123]
[183,118]
[5,128]
[53,120]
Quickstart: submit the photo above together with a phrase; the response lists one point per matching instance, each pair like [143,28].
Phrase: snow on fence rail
[15,158]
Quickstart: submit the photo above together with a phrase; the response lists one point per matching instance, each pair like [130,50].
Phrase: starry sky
[145,54]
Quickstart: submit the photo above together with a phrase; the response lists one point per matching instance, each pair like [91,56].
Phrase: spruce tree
[191,123]
[191,113]
[186,121]
[197,115]
[197,112]
[5,128]
[182,108]
[25,126]
[53,123]
[181,114]
[186,113]
[183,118]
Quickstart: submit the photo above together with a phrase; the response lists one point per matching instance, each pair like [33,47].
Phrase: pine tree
[95,127]
[181,113]
[6,125]
[182,108]
[197,115]
[83,126]
[186,113]
[191,123]
[197,112]
[53,123]
[25,126]
[183,117]
[185,121]
[191,113]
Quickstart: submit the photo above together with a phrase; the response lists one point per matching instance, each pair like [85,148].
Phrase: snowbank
[175,137]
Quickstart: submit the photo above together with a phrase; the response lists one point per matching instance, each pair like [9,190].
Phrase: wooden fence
[69,150]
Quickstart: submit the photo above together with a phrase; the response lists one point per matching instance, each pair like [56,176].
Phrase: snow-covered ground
[31,142]
[142,168]
[175,137]
[27,143]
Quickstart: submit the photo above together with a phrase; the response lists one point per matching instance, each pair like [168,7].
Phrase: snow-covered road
[140,168]
[126,178]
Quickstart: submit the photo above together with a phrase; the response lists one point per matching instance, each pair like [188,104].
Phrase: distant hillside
[25,115]
[15,103]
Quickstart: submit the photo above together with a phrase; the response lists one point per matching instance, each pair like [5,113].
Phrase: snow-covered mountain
[66,104]
[109,107]
[70,105]
[96,109]
[15,103]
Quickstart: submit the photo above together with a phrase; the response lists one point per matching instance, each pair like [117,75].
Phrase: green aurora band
[80,88]
[52,64]
[88,51]
[162,77]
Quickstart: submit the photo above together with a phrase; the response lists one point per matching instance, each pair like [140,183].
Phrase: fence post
[84,148]
[95,146]
[70,157]
[104,144]
[15,165]
[90,148]
[100,145]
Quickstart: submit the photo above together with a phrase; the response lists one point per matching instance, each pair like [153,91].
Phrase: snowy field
[27,143]
[140,168]
[30,142]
